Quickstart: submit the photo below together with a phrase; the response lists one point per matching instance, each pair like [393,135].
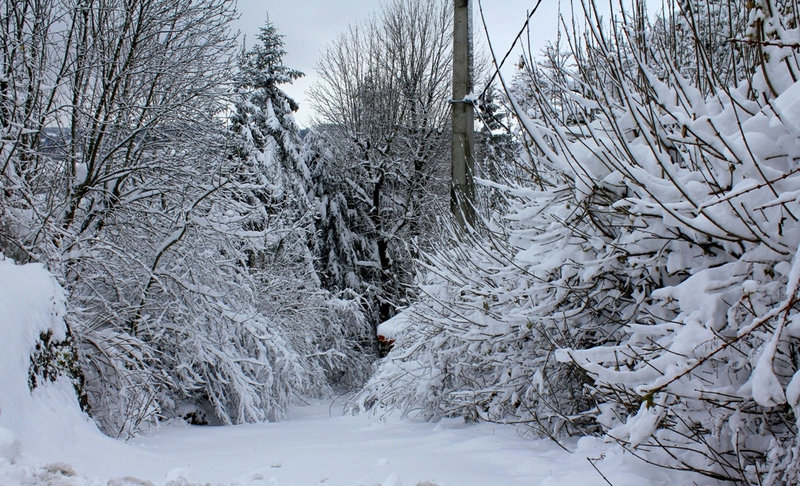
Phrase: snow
[45,439]
[9,445]
[391,329]
[320,446]
[48,422]
[31,302]
[793,392]
[787,106]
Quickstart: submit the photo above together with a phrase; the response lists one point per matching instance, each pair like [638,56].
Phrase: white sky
[309,25]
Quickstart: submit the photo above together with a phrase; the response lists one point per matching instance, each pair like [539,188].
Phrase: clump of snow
[392,328]
[392,480]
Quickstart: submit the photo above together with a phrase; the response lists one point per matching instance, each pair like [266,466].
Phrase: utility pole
[462,191]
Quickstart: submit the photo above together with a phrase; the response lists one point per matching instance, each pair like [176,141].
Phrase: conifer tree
[268,148]
[382,100]
[261,74]
[270,170]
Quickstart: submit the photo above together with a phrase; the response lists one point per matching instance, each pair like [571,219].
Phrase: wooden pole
[462,191]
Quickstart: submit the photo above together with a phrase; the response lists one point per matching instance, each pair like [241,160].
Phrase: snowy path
[314,448]
[317,447]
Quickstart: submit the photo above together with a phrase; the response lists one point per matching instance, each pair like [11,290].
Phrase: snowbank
[46,424]
[31,303]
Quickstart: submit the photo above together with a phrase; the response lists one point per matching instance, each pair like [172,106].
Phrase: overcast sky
[309,25]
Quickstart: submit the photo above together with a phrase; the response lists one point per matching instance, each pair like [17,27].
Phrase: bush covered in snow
[645,286]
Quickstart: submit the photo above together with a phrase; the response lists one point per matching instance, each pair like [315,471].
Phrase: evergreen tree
[267,107]
[383,95]
[270,169]
[267,145]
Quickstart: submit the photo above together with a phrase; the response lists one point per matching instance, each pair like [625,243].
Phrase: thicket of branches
[381,168]
[638,279]
[644,284]
[176,238]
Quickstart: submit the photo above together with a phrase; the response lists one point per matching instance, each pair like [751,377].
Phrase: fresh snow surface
[393,327]
[320,446]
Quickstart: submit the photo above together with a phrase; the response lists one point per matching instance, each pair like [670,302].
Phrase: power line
[513,44]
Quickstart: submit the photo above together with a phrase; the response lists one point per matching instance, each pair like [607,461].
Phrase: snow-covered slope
[31,303]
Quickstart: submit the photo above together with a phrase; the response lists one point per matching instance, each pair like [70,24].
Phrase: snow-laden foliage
[345,253]
[328,331]
[491,316]
[100,106]
[649,289]
[182,242]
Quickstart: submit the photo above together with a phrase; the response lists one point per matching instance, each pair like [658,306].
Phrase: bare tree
[383,102]
[109,113]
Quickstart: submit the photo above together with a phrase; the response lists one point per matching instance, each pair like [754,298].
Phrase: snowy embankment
[46,424]
[45,439]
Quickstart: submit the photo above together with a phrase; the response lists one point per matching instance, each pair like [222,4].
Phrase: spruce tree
[267,147]
[268,162]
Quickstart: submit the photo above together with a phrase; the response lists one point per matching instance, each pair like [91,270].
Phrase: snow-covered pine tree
[270,168]
[343,247]
[267,146]
[496,150]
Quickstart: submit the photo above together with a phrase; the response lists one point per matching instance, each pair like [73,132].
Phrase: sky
[309,26]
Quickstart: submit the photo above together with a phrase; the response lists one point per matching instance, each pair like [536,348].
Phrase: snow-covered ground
[319,446]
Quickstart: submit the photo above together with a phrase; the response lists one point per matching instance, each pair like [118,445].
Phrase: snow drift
[46,420]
